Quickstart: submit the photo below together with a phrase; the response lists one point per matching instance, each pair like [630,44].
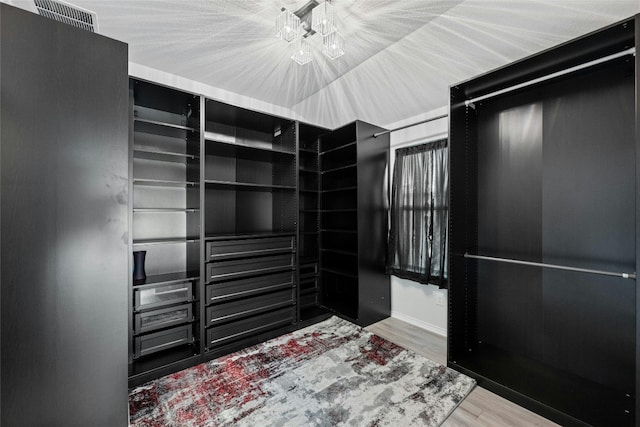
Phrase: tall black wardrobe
[543,232]
[64,186]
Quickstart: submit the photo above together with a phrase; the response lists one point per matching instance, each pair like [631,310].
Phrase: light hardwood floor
[481,407]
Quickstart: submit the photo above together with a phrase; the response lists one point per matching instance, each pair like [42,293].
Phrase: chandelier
[313,18]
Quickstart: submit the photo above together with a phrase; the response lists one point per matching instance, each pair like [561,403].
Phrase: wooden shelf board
[167,241]
[234,236]
[167,278]
[342,147]
[339,168]
[248,186]
[164,124]
[165,210]
[163,183]
[248,146]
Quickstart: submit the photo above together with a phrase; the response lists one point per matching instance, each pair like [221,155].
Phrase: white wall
[422,305]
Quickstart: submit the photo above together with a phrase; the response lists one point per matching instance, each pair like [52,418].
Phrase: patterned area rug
[328,374]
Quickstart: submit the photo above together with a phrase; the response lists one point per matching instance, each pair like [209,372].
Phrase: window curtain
[418,233]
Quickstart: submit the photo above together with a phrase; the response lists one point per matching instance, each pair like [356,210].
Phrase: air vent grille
[68,13]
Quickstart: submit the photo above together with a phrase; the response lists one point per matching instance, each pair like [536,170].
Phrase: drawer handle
[173,291]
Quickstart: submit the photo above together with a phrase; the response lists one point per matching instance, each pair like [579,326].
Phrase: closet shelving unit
[251,204]
[165,221]
[353,222]
[254,225]
[309,221]
[544,169]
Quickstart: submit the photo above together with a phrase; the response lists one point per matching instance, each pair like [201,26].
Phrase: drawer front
[163,318]
[221,270]
[247,247]
[162,295]
[249,306]
[241,288]
[158,341]
[234,331]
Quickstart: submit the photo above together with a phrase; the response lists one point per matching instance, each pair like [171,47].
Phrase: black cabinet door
[64,186]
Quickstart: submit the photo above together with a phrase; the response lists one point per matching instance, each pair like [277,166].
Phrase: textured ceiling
[401,55]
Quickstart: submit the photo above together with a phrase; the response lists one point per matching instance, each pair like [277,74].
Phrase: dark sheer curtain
[420,214]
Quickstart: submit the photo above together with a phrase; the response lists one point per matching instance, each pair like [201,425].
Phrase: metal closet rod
[630,51]
[631,276]
[377,134]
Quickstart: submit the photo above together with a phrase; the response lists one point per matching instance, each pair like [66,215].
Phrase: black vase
[139,274]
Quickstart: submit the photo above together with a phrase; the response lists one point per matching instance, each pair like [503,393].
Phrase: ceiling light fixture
[287,25]
[310,19]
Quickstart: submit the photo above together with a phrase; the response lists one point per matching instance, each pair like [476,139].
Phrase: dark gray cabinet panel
[64,163]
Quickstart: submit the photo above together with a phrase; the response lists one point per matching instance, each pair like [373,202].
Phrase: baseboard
[420,323]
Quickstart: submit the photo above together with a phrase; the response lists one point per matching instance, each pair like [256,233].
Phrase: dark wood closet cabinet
[543,229]
[353,223]
[253,225]
[64,224]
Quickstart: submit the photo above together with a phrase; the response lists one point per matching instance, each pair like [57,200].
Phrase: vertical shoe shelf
[309,221]
[165,158]
[250,218]
[353,222]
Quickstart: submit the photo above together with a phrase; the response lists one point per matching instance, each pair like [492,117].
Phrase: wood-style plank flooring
[481,407]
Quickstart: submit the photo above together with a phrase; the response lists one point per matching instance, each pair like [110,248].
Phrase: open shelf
[167,278]
[308,170]
[339,272]
[163,156]
[180,356]
[341,147]
[336,159]
[229,236]
[331,169]
[163,124]
[235,125]
[244,150]
[163,183]
[340,252]
[148,242]
[340,189]
[166,210]
[247,186]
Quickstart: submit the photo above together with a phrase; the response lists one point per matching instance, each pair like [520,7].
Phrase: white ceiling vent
[68,13]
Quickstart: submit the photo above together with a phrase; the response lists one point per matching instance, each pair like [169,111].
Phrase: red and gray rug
[328,374]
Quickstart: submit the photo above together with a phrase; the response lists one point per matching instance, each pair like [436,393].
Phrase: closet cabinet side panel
[637,198]
[64,192]
[374,285]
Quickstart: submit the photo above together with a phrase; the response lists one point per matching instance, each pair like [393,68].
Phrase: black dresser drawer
[221,270]
[223,249]
[162,340]
[228,311]
[241,288]
[163,318]
[162,295]
[234,331]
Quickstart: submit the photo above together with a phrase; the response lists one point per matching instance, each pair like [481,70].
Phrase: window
[420,214]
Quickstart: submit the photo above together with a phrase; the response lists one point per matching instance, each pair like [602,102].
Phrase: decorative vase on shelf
[139,274]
